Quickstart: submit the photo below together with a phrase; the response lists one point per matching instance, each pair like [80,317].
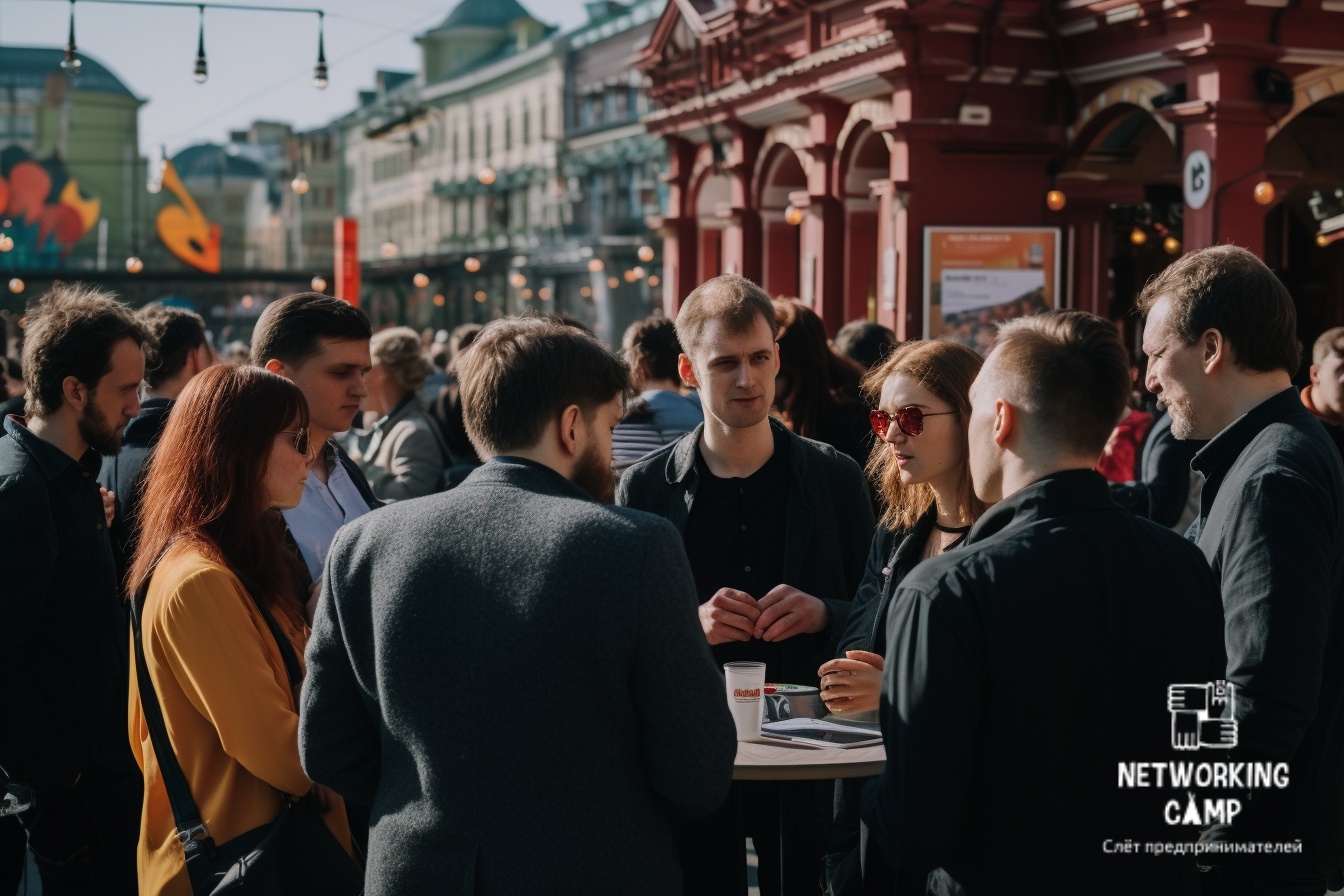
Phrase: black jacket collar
[681,459]
[51,460]
[148,425]
[1068,491]
[1218,454]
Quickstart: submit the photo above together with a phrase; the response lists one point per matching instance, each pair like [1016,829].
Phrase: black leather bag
[295,855]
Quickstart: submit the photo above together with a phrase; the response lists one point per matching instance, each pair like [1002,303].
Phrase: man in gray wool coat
[511,673]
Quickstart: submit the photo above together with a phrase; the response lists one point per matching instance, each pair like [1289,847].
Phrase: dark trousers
[84,839]
[712,848]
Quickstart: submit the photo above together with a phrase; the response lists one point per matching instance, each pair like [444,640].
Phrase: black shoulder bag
[294,855]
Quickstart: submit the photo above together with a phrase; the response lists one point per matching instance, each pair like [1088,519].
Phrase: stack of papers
[823,732]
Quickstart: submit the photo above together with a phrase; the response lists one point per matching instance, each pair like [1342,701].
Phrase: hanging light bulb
[16,285]
[1138,236]
[595,265]
[479,295]
[472,264]
[200,72]
[134,265]
[1263,193]
[320,71]
[793,215]
[1055,200]
[6,242]
[71,63]
[487,175]
[1172,245]
[318,283]
[420,281]
[645,253]
[299,184]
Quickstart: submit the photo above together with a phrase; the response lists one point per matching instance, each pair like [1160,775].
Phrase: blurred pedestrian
[865,343]
[1221,338]
[920,395]
[472,597]
[447,408]
[220,596]
[1324,395]
[11,397]
[659,414]
[405,455]
[64,670]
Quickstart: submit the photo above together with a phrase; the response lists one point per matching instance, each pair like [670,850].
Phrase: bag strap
[191,830]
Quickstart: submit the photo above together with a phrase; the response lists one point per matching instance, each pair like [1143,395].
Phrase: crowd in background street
[450,613]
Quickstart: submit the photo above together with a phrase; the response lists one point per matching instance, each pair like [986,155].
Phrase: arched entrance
[1304,231]
[867,158]
[781,174]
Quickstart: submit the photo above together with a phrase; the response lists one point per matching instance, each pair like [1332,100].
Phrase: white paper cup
[746,684]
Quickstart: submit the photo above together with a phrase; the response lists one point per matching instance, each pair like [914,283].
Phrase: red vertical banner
[347,260]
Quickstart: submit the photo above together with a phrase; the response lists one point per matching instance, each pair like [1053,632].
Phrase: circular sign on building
[1198,178]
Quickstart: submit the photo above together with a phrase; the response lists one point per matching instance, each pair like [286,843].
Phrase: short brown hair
[653,342]
[946,369]
[177,333]
[1070,372]
[1331,342]
[522,372]
[732,299]
[291,329]
[1226,288]
[71,331]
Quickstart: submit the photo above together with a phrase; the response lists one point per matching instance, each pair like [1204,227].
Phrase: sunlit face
[1328,380]
[333,382]
[115,400]
[735,373]
[936,455]
[286,471]
[984,456]
[592,468]
[1175,373]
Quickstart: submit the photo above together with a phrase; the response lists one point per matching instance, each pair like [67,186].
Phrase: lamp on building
[544,293]
[525,294]
[300,184]
[318,283]
[1055,200]
[486,175]
[612,282]
[630,276]
[1172,245]
[134,265]
[420,281]
[586,292]
[645,253]
[653,280]
[388,249]
[472,264]
[200,72]
[320,70]
[595,265]
[70,64]
[1138,236]
[1263,193]
[793,215]
[480,295]
[6,242]
[439,300]
[16,285]
[517,280]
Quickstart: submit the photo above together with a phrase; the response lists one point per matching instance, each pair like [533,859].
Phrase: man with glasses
[777,530]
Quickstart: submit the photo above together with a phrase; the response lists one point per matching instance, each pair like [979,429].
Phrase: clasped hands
[732,615]
[852,684]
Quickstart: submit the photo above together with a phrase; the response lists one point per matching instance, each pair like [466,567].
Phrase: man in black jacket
[64,670]
[181,353]
[1026,671]
[1221,336]
[777,529]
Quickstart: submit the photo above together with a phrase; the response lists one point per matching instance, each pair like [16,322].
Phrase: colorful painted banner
[975,278]
[184,229]
[347,260]
[42,201]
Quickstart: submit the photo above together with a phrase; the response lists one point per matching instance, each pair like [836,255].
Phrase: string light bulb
[299,184]
[645,253]
[320,70]
[318,283]
[480,295]
[420,280]
[134,265]
[1172,245]
[6,242]
[793,215]
[201,71]
[388,249]
[487,175]
[16,285]
[1263,193]
[472,264]
[1138,236]
[595,265]
[71,64]
[1055,200]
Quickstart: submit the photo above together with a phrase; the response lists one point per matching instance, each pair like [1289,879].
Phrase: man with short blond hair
[1324,395]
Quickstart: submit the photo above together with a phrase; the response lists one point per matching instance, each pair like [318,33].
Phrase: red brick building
[812,144]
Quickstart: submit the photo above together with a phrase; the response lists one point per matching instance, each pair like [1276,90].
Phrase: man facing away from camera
[1221,337]
[511,673]
[1026,668]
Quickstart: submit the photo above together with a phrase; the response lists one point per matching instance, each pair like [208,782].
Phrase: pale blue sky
[261,64]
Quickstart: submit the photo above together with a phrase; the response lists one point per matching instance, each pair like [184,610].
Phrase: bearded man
[63,672]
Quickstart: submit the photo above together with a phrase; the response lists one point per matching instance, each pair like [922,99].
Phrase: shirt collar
[50,459]
[1068,491]
[1224,448]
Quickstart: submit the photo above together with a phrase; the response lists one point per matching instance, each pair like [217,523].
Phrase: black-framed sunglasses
[909,420]
[300,439]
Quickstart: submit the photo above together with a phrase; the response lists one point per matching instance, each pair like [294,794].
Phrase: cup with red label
[746,684]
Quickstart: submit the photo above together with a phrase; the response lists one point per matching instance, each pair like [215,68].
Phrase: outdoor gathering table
[782,760]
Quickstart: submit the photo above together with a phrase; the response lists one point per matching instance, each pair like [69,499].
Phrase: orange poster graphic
[184,229]
[975,278]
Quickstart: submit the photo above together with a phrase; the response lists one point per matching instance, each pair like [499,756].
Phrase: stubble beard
[594,476]
[1184,423]
[97,432]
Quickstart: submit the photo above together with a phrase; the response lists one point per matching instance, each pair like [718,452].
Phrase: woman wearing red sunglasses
[919,465]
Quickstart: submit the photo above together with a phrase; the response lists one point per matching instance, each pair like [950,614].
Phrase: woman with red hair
[220,587]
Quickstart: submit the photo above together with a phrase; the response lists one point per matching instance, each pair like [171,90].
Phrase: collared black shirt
[735,539]
[1271,523]
[63,669]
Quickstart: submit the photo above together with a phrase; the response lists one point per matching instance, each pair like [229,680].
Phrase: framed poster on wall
[976,277]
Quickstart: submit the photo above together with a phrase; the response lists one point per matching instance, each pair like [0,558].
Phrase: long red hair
[205,483]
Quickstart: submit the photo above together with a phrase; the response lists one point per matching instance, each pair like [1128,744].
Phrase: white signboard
[1198,178]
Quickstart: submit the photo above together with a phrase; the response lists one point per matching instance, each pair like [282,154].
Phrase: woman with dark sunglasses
[221,584]
[919,466]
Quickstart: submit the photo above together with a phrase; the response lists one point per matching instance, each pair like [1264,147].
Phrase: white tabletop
[780,760]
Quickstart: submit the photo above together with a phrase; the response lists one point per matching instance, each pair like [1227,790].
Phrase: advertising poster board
[978,276]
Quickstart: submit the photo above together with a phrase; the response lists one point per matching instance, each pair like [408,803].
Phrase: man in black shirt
[1026,668]
[776,528]
[64,671]
[1221,336]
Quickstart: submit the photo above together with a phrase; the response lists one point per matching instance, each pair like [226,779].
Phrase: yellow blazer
[231,717]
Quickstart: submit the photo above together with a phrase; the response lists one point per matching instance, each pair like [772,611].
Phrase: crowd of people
[458,626]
